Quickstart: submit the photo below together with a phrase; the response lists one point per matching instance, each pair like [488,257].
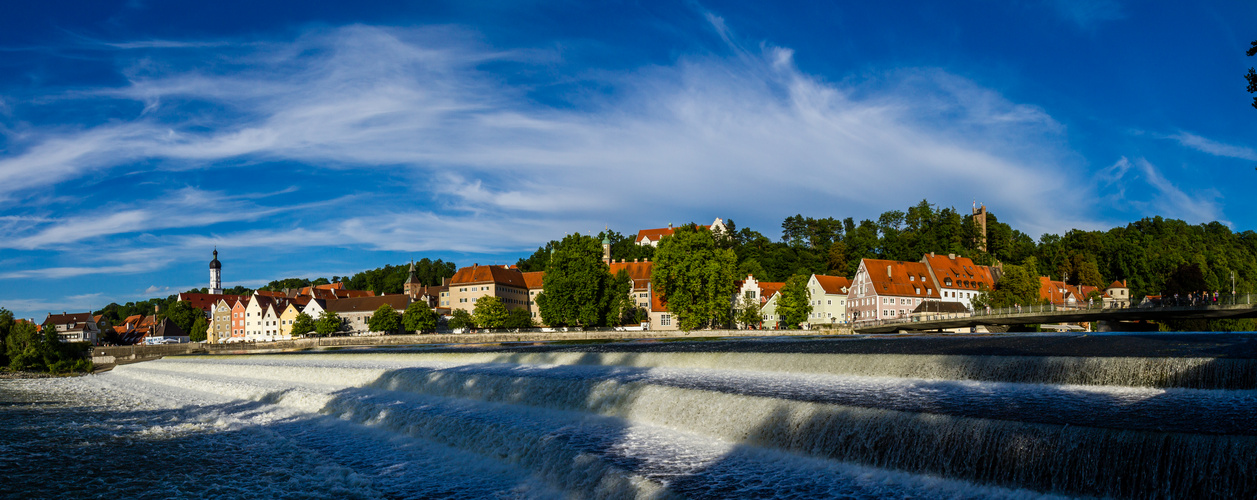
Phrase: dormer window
[912,278]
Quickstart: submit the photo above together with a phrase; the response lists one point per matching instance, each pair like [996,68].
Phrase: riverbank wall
[105,357]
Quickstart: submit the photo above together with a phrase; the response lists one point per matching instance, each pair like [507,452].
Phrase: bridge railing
[1165,304]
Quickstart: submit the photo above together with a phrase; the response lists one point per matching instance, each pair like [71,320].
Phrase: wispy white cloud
[1215,148]
[1141,185]
[734,136]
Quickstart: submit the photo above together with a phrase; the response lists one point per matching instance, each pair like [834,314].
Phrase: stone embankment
[106,357]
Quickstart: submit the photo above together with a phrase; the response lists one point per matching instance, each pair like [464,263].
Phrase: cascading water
[658,424]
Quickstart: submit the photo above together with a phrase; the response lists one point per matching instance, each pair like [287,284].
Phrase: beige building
[356,312]
[220,322]
[829,300]
[1117,295]
[471,283]
[651,237]
[287,318]
[76,327]
[533,282]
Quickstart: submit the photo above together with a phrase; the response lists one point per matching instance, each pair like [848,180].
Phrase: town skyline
[307,143]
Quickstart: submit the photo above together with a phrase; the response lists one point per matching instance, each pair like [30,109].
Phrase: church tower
[216,275]
[606,250]
[412,286]
[979,218]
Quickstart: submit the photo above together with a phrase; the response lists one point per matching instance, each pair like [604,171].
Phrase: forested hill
[1145,253]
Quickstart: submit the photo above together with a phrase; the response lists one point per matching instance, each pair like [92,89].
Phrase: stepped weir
[1122,416]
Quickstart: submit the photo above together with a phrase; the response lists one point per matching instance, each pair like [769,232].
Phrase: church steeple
[216,275]
[411,287]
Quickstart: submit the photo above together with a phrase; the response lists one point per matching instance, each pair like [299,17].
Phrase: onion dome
[215,264]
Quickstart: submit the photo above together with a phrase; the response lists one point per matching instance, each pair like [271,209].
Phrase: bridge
[1041,314]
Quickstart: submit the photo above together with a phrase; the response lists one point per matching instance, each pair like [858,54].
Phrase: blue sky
[319,139]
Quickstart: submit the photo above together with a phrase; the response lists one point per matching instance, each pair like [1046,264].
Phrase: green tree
[385,319]
[1251,77]
[6,326]
[518,318]
[749,313]
[621,305]
[1017,287]
[795,303]
[329,322]
[200,329]
[23,347]
[419,317]
[694,278]
[576,287]
[489,312]
[303,324]
[460,319]
[182,314]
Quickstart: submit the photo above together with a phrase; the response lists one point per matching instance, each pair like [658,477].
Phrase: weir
[715,419]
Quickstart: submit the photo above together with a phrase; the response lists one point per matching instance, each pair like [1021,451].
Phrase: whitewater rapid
[640,425]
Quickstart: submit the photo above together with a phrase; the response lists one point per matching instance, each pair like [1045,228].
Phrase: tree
[328,323]
[489,312]
[419,317]
[518,318]
[575,289]
[183,314]
[385,319]
[460,319]
[303,325]
[199,331]
[1252,75]
[6,326]
[749,313]
[620,299]
[795,303]
[694,279]
[1018,286]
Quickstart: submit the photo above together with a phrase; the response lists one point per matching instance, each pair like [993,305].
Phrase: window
[665,320]
[912,278]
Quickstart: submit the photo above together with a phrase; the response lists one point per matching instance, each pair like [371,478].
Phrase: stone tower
[216,275]
[606,250]
[979,218]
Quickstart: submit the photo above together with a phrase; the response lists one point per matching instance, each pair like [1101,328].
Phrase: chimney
[634,260]
[477,264]
[951,256]
[156,308]
[888,273]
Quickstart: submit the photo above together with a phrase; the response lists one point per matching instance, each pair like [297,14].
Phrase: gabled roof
[167,328]
[833,285]
[477,274]
[769,288]
[639,272]
[207,301]
[962,272]
[66,319]
[533,280]
[268,293]
[1118,284]
[940,307]
[367,304]
[897,281]
[654,234]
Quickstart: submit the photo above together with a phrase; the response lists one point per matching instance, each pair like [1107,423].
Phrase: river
[995,416]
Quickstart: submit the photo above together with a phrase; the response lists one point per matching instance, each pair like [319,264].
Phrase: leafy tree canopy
[385,319]
[419,317]
[694,278]
[795,301]
[489,312]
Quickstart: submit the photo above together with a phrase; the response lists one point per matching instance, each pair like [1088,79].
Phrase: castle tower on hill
[979,218]
[216,275]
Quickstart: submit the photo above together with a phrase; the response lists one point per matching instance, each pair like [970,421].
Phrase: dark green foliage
[795,302]
[200,329]
[461,319]
[419,318]
[1251,77]
[328,323]
[6,326]
[385,319]
[182,314]
[749,314]
[489,312]
[303,325]
[694,278]
[390,279]
[518,318]
[577,288]
[28,349]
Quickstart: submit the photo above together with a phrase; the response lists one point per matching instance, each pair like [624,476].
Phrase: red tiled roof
[639,272]
[501,275]
[206,301]
[654,234]
[1118,284]
[65,319]
[533,280]
[897,282]
[656,303]
[962,272]
[833,284]
[769,288]
[361,304]
[268,293]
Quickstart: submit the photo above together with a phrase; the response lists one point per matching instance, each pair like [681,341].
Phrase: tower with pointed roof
[606,250]
[216,275]
[412,286]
